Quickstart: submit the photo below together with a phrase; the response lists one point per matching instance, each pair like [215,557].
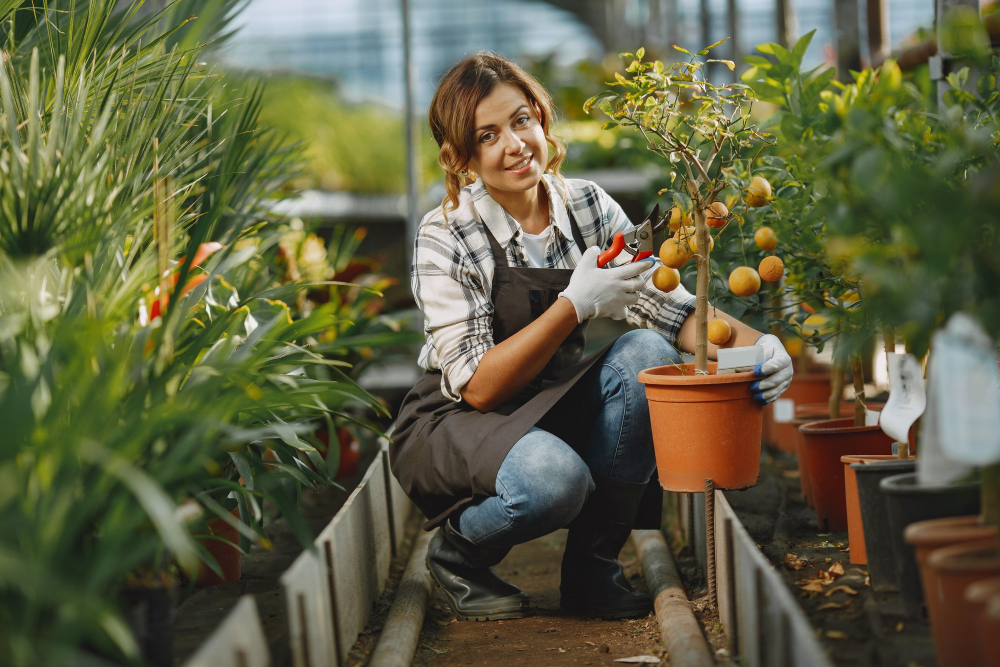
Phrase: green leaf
[710,46]
[681,49]
[801,46]
[640,53]
[986,85]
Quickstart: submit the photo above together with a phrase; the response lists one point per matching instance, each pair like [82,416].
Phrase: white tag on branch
[964,370]
[784,410]
[872,417]
[907,397]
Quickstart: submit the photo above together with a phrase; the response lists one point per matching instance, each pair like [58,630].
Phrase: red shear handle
[643,254]
[617,245]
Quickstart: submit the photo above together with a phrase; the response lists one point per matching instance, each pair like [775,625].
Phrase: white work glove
[596,292]
[776,370]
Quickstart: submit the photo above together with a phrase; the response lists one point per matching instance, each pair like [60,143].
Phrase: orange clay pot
[704,427]
[979,597]
[928,536]
[855,529]
[957,567]
[226,555]
[824,443]
[805,388]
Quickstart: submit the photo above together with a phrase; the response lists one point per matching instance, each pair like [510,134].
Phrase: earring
[463,172]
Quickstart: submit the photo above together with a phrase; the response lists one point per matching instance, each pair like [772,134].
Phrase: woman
[511,434]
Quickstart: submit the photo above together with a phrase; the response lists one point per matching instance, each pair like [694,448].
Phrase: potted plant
[704,132]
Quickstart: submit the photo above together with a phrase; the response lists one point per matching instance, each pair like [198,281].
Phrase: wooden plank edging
[755,606]
[237,642]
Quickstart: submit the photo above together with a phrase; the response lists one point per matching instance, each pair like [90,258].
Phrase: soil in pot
[906,503]
[704,427]
[879,552]
[824,443]
[979,596]
[226,553]
[925,537]
[957,567]
[855,528]
[805,388]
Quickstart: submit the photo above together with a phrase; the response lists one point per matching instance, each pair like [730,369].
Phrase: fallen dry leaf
[868,582]
[833,605]
[836,569]
[813,586]
[794,562]
[899,627]
[791,474]
[846,589]
[837,634]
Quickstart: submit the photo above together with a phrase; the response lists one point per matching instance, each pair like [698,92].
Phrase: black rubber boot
[465,571]
[592,579]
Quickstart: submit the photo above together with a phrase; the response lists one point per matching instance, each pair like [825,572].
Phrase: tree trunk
[836,387]
[845,20]
[857,370]
[878,31]
[787,24]
[702,238]
[991,494]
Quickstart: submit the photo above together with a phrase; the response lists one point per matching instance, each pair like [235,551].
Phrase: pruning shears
[637,242]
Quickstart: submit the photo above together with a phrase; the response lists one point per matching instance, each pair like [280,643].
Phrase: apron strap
[577,236]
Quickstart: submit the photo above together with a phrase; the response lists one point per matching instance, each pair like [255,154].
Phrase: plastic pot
[957,567]
[928,536]
[226,554]
[907,503]
[979,596]
[880,553]
[855,527]
[805,388]
[704,427]
[824,443]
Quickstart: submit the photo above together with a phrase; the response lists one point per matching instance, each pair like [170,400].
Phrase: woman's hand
[596,292]
[776,370]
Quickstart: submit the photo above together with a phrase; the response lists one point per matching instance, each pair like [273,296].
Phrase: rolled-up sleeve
[458,314]
[662,312]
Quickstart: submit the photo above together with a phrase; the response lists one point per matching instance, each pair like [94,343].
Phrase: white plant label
[907,397]
[872,418]
[964,370]
[784,410]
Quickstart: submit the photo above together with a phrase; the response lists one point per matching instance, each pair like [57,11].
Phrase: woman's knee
[546,479]
[640,349]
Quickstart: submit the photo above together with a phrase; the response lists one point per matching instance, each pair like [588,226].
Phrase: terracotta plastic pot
[879,551]
[928,536]
[979,595]
[805,388]
[824,443]
[226,555]
[704,427]
[957,567]
[906,503]
[855,528]
[805,414]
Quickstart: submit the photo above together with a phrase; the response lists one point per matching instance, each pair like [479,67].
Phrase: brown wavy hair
[453,115]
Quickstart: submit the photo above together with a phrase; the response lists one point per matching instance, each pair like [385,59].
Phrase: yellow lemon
[759,192]
[719,332]
[765,239]
[717,214]
[677,217]
[674,253]
[744,281]
[666,279]
[771,269]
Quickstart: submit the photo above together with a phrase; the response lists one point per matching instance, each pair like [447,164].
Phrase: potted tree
[704,132]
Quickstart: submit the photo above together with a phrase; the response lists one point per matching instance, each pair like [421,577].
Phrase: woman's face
[510,152]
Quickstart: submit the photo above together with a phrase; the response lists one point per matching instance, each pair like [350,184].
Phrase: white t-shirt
[534,247]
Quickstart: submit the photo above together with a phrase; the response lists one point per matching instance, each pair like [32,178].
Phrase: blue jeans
[543,482]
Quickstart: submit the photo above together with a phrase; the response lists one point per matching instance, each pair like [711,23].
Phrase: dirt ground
[857,625]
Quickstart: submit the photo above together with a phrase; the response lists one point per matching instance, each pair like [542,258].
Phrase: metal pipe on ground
[681,633]
[401,632]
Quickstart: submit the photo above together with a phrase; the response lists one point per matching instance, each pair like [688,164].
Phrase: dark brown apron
[446,454]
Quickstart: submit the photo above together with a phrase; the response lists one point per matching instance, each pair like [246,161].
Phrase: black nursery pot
[875,519]
[150,613]
[907,502]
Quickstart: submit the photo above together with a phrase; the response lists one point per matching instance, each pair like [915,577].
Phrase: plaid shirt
[452,272]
